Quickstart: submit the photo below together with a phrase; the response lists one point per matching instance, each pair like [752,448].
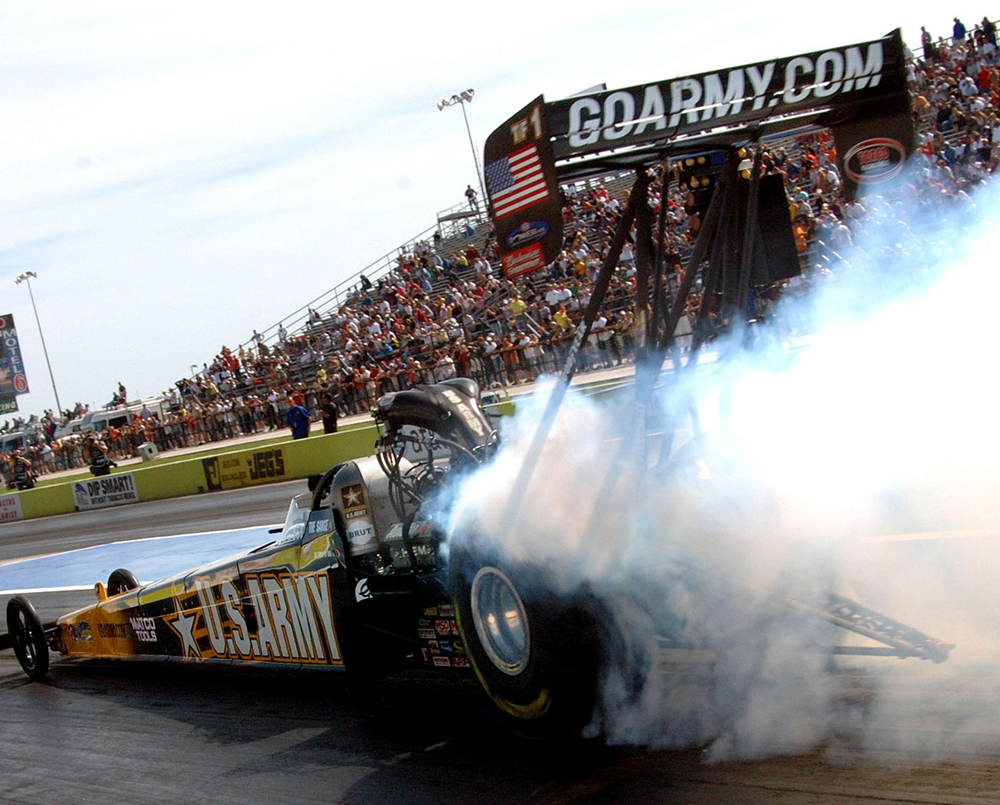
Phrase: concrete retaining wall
[228,469]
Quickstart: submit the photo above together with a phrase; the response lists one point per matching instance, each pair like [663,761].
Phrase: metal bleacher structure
[458,227]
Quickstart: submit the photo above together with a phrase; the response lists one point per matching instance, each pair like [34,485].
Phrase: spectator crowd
[445,309]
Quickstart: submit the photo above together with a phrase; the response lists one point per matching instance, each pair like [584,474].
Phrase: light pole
[461,99]
[26,277]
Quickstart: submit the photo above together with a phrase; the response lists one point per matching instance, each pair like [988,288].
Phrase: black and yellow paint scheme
[294,601]
[356,580]
[352,581]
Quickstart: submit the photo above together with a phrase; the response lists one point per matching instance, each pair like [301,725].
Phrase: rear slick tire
[27,637]
[533,650]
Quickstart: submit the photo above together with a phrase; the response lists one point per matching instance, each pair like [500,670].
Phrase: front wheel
[27,637]
[533,650]
[121,581]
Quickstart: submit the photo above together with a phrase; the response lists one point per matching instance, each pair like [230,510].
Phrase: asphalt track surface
[152,732]
[235,508]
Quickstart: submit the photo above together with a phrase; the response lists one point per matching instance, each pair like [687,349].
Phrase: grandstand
[419,313]
[453,224]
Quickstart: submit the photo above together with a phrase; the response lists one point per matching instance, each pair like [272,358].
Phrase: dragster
[365,577]
[357,581]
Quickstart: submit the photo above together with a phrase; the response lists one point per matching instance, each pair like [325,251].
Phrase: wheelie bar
[900,640]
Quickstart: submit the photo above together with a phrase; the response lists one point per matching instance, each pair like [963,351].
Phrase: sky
[178,175]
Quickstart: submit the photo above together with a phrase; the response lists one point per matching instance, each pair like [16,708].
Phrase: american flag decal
[515,181]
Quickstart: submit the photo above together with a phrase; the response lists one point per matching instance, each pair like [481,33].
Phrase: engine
[428,433]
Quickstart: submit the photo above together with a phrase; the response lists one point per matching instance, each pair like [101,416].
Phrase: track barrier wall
[228,469]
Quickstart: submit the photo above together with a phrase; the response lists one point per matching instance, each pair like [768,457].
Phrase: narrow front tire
[121,581]
[27,637]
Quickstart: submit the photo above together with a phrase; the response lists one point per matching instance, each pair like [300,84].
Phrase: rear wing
[858,91]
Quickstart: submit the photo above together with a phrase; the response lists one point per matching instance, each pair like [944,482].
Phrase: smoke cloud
[866,462]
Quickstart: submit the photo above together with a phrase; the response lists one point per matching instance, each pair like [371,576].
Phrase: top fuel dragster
[356,580]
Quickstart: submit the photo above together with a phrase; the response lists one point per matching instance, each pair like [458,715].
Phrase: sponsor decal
[8,405]
[361,591]
[111,490]
[523,260]
[426,634]
[10,508]
[442,627]
[446,610]
[696,103]
[144,629]
[442,662]
[278,617]
[874,160]
[113,631]
[430,612]
[353,501]
[234,472]
[360,532]
[527,233]
[459,662]
[467,413]
[79,632]
[320,523]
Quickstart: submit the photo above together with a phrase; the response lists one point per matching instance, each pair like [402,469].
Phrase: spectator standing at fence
[494,362]
[989,31]
[561,318]
[517,306]
[297,418]
[470,194]
[328,412]
[957,32]
[273,402]
[96,455]
[21,471]
[47,458]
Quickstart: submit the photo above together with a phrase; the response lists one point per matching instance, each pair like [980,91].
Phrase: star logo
[352,496]
[183,625]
